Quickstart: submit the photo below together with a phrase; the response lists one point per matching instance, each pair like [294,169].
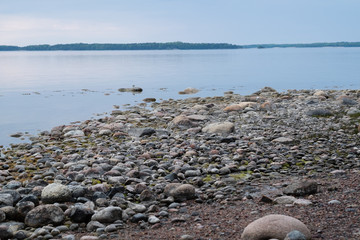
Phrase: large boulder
[274,226]
[219,127]
[44,215]
[55,193]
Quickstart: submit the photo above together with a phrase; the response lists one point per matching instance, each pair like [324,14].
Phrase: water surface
[39,90]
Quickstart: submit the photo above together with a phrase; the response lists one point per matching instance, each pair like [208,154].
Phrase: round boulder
[45,214]
[55,193]
[108,215]
[180,191]
[274,226]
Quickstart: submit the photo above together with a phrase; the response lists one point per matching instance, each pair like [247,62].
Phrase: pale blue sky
[25,22]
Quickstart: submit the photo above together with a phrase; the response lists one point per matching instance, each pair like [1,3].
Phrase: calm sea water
[39,90]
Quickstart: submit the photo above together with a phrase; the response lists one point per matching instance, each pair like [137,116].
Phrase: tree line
[166,46]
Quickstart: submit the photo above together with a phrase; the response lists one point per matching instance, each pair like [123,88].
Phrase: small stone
[108,215]
[139,217]
[152,219]
[283,140]
[189,91]
[89,238]
[302,202]
[93,225]
[285,200]
[295,235]
[186,237]
[334,202]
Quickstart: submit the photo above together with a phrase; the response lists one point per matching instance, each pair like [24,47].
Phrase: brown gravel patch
[227,220]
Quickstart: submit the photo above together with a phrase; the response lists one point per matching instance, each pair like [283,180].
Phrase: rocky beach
[197,168]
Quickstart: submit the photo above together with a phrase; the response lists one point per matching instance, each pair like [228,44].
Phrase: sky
[27,22]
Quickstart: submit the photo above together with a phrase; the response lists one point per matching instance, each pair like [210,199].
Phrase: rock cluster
[136,166]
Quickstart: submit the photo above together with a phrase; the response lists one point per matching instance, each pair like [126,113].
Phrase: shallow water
[40,90]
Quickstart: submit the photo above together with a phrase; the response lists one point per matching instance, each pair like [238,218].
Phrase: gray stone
[320,112]
[141,132]
[152,219]
[219,127]
[179,191]
[295,235]
[283,140]
[6,199]
[93,225]
[139,217]
[273,226]
[55,193]
[285,200]
[74,133]
[301,188]
[43,215]
[108,215]
[81,213]
[23,208]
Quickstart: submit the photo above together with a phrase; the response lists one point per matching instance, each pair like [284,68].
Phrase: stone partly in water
[189,91]
[133,90]
[43,215]
[274,226]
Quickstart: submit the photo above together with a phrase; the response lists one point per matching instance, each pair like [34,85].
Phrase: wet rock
[43,215]
[133,89]
[149,99]
[189,91]
[274,226]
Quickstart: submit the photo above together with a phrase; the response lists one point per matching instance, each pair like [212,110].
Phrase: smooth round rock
[43,215]
[108,215]
[180,191]
[55,193]
[274,226]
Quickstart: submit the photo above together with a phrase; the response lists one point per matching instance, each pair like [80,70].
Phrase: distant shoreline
[166,46]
